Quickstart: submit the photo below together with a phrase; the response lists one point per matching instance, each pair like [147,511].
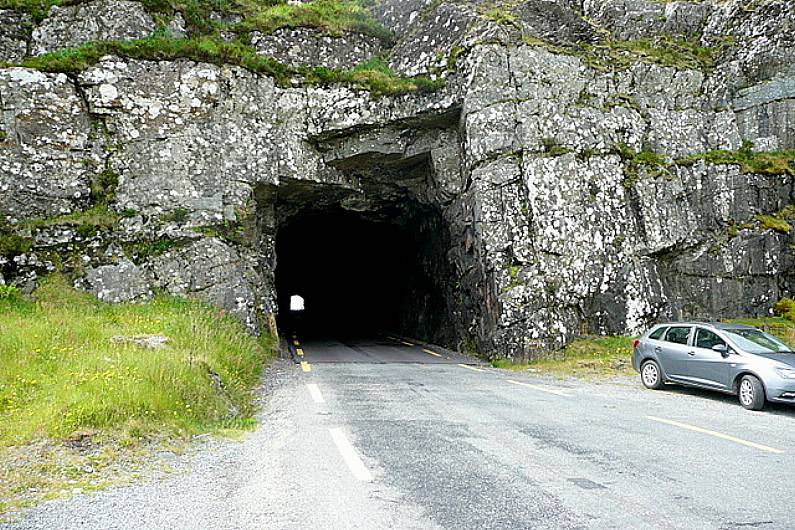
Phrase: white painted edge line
[348,452]
[314,391]
[716,434]
[539,388]
[471,368]
[429,352]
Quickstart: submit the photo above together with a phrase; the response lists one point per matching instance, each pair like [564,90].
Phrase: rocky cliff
[581,166]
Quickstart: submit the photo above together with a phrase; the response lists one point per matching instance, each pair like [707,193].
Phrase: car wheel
[751,393]
[650,375]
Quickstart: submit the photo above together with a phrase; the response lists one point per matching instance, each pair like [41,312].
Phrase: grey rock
[70,26]
[634,19]
[546,230]
[14,35]
[151,342]
[46,149]
[122,282]
[214,272]
[308,47]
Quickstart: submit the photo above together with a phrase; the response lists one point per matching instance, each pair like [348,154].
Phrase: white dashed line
[716,434]
[314,391]
[539,388]
[348,452]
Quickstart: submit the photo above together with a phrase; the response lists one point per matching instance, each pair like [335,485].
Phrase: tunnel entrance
[363,270]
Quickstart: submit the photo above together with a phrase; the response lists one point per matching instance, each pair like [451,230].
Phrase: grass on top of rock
[594,357]
[204,17]
[73,396]
[780,162]
[374,75]
[332,16]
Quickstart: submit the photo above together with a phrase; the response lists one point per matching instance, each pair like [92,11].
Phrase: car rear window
[678,335]
[657,333]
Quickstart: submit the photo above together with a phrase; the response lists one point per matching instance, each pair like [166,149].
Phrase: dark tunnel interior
[362,275]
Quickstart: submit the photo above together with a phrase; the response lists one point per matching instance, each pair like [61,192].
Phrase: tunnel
[364,272]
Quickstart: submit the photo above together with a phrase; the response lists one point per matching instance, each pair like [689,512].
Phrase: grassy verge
[76,407]
[589,358]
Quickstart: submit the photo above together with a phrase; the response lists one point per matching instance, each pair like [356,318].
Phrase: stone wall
[555,228]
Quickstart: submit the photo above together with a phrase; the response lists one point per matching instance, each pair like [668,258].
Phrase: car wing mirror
[722,349]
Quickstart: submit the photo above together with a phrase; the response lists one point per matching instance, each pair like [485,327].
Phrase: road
[381,433]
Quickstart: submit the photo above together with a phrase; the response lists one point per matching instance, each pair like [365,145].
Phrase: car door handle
[691,353]
[657,349]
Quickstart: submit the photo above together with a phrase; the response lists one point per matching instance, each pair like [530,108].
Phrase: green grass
[38,9]
[332,16]
[62,377]
[588,357]
[374,75]
[780,162]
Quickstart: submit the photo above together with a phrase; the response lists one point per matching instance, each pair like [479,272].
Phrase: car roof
[716,325]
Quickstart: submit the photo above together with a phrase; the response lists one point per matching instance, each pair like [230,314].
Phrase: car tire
[751,393]
[651,375]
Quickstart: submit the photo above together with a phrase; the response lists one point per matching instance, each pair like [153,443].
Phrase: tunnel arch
[364,271]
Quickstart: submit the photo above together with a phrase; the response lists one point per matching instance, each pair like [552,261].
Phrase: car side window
[658,333]
[707,339]
[677,335]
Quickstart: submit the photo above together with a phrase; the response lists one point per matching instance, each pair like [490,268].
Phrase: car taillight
[635,343]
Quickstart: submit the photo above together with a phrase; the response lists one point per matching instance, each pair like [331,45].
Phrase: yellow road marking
[300,352]
[716,434]
[431,353]
[305,366]
[406,343]
[471,368]
[539,388]
[296,343]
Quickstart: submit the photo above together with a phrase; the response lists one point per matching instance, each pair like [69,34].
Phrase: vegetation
[374,75]
[333,16]
[779,221]
[653,163]
[589,357]
[64,380]
[553,148]
[14,244]
[664,50]
[780,162]
[750,161]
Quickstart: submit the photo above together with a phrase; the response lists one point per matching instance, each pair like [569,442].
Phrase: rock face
[99,20]
[558,193]
[13,38]
[307,47]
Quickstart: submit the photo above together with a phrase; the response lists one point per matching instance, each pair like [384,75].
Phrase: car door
[704,365]
[672,351]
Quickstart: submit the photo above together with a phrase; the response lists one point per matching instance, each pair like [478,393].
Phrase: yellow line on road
[471,368]
[716,434]
[305,366]
[429,352]
[299,352]
[539,388]
[407,343]
[296,343]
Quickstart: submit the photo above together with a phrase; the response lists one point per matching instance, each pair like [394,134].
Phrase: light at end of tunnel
[296,303]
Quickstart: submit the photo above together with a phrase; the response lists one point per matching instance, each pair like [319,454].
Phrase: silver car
[730,358]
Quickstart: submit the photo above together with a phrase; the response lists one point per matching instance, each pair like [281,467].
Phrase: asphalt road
[381,434]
